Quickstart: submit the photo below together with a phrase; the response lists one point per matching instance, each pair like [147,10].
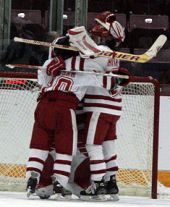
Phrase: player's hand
[113,54]
[54,66]
[122,71]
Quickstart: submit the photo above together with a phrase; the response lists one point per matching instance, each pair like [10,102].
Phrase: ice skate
[60,192]
[31,184]
[96,191]
[112,188]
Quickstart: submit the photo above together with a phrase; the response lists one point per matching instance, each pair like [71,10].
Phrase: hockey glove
[122,71]
[54,66]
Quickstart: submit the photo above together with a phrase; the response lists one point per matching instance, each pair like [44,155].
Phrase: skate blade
[67,197]
[86,198]
[113,197]
[57,196]
[94,198]
[29,193]
[60,197]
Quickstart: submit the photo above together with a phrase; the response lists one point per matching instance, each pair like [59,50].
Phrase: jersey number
[63,84]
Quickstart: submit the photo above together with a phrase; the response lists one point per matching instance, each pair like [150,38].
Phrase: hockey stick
[145,57]
[36,67]
[97,73]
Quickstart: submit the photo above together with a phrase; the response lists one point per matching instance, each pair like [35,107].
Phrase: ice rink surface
[9,199]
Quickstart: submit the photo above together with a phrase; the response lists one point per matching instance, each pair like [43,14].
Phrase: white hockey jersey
[100,99]
[72,82]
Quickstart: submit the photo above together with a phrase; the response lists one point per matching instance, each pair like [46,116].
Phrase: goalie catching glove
[80,39]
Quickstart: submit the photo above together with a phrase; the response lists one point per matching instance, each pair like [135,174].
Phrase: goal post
[137,143]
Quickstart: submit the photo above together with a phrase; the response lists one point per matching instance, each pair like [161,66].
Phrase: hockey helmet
[107,25]
[106,17]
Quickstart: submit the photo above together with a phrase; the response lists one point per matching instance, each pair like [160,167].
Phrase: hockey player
[55,109]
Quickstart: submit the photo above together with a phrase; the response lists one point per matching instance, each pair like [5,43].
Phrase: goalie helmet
[107,27]
[106,17]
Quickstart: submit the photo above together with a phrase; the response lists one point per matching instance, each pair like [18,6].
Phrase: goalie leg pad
[97,163]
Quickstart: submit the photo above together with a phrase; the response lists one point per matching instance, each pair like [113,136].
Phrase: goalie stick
[143,58]
[36,67]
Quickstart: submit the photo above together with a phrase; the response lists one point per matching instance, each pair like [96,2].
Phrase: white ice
[10,199]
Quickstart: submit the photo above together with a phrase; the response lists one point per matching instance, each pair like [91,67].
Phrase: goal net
[137,143]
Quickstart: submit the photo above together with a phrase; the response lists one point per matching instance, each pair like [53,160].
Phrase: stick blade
[157,45]
[17,39]
[10,66]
